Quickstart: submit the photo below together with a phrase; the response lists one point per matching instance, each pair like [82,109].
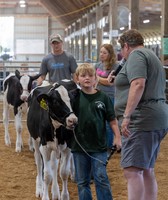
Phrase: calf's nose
[72,121]
[24,98]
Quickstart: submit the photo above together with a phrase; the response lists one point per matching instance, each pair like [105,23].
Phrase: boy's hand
[117,142]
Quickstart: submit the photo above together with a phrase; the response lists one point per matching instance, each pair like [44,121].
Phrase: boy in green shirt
[89,147]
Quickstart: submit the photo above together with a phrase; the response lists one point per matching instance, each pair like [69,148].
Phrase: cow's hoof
[45,198]
[18,149]
[39,194]
[56,197]
[7,142]
[65,196]
[39,191]
[31,148]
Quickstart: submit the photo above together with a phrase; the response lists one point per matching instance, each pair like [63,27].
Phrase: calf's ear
[74,93]
[35,77]
[17,74]
[42,99]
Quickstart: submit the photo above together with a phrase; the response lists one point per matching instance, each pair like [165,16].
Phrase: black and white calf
[16,91]
[50,121]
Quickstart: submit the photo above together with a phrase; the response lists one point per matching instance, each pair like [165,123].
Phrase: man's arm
[41,79]
[135,93]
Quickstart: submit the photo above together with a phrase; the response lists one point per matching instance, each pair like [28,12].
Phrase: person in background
[119,56]
[108,63]
[89,146]
[142,112]
[59,64]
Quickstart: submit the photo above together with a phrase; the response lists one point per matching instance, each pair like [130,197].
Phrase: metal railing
[32,68]
[28,67]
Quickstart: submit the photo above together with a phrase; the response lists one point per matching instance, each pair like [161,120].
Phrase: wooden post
[113,26]
[164,33]
[134,8]
[99,29]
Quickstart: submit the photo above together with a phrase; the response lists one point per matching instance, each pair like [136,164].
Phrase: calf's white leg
[55,186]
[65,172]
[38,161]
[18,125]
[6,121]
[46,153]
[72,169]
[30,143]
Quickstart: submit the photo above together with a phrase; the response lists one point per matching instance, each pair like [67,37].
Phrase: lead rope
[87,152]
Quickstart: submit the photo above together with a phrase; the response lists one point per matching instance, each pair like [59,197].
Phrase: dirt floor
[18,172]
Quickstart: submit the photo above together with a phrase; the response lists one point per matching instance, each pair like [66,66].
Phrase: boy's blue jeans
[84,165]
[110,135]
[109,131]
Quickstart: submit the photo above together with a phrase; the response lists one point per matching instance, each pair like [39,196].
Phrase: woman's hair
[85,68]
[132,37]
[112,56]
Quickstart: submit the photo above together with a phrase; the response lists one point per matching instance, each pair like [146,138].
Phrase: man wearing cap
[59,64]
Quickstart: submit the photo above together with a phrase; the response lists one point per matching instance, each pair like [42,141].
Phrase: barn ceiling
[69,11]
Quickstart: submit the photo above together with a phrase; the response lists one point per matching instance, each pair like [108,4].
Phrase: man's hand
[124,127]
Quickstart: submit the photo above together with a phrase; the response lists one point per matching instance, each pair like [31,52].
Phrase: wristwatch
[126,116]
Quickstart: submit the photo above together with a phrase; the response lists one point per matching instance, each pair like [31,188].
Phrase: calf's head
[57,103]
[25,84]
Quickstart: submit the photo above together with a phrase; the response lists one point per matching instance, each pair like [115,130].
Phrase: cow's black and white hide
[50,121]
[16,91]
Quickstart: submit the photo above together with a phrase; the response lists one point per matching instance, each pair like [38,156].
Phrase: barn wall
[32,28]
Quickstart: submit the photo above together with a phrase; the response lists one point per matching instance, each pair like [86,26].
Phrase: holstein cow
[50,121]
[16,91]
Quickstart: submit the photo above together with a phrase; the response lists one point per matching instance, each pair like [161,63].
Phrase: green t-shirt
[92,111]
[152,111]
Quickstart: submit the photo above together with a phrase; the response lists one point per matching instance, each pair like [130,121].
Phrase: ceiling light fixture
[122,28]
[22,3]
[146,21]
